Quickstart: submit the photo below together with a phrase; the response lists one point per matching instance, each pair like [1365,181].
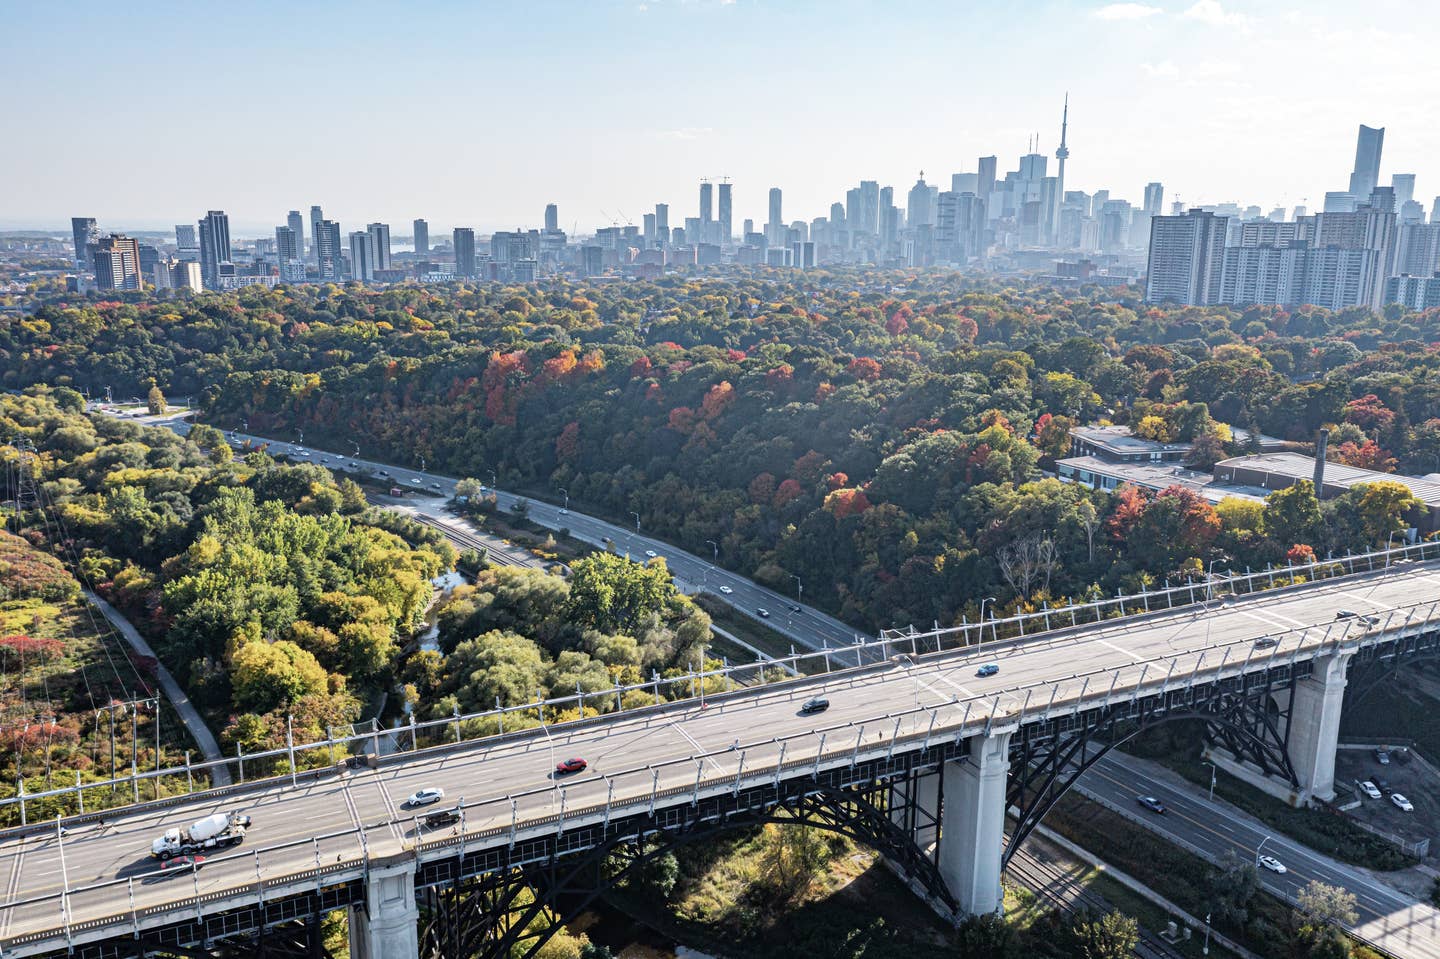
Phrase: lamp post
[1259,848]
[714,552]
[987,599]
[1209,582]
[1205,950]
[1212,779]
[637,520]
[799,589]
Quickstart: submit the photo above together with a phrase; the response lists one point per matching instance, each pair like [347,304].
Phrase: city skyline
[1146,83]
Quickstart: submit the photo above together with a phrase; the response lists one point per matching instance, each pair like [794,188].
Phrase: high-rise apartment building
[727,227]
[662,224]
[315,217]
[86,234]
[328,257]
[290,254]
[214,233]
[869,208]
[1417,249]
[296,223]
[552,218]
[421,231]
[116,261]
[706,201]
[185,275]
[362,256]
[464,240]
[1349,258]
[1368,146]
[379,246]
[1187,259]
[775,225]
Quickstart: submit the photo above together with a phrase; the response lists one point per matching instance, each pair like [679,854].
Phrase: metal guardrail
[689,686]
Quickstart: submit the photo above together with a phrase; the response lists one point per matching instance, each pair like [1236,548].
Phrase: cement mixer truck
[217,831]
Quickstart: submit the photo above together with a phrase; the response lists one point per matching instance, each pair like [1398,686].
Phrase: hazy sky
[469,113]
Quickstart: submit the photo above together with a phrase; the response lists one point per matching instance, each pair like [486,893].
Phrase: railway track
[464,539]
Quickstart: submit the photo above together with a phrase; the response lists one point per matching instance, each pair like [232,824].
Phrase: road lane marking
[698,748]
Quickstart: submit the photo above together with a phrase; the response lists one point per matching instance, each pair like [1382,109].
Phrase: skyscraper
[315,217]
[1062,153]
[464,240]
[379,246]
[421,230]
[327,249]
[662,223]
[296,223]
[1154,198]
[706,204]
[116,261]
[214,233]
[1187,259]
[186,241]
[727,233]
[775,225]
[1367,162]
[986,172]
[918,208]
[362,256]
[86,233]
[288,252]
[869,208]
[552,218]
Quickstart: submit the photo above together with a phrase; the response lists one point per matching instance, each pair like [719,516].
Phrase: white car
[726,590]
[650,553]
[564,512]
[425,797]
[1273,864]
[1369,789]
[1404,804]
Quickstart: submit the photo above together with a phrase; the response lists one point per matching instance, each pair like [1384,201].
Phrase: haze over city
[480,114]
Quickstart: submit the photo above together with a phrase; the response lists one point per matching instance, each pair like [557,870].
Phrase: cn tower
[1062,153]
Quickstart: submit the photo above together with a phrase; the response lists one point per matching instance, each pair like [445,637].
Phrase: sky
[145,114]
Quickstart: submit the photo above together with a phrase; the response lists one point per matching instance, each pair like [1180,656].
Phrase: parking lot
[1402,775]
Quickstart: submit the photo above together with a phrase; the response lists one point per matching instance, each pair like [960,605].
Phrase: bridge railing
[561,805]
[319,757]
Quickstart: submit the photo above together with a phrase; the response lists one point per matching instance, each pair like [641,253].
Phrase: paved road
[189,715]
[1387,916]
[869,706]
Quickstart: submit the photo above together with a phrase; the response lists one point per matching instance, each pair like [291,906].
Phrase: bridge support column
[1315,727]
[973,823]
[389,925]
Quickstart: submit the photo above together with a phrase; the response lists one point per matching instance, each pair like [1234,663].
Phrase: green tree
[276,675]
[987,937]
[468,489]
[155,400]
[1229,889]
[1292,515]
[612,594]
[1111,936]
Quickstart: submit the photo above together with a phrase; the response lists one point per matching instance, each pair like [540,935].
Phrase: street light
[1259,848]
[1209,583]
[637,520]
[1205,950]
[799,589]
[1212,779]
[567,496]
[715,552]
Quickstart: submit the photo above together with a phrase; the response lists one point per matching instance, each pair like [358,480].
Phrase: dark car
[816,705]
[1151,803]
[441,817]
[571,766]
[989,669]
[793,608]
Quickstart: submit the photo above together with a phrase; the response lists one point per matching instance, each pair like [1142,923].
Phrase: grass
[760,636]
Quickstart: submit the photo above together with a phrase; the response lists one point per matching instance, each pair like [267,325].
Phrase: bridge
[917,757]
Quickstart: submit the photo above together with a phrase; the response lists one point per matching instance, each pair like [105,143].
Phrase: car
[1382,756]
[440,817]
[989,669]
[816,705]
[764,613]
[425,797]
[1400,801]
[564,512]
[576,765]
[1351,614]
[1151,803]
[382,473]
[1265,642]
[651,553]
[792,607]
[726,590]
[1369,789]
[1273,864]
[182,864]
[434,485]
[417,481]
[1383,785]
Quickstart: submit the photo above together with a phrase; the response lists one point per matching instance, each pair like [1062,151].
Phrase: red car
[182,864]
[571,766]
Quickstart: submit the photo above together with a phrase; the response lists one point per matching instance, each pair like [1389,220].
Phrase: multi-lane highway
[869,707]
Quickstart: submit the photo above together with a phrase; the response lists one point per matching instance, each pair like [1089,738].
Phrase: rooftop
[1159,476]
[1298,466]
[1120,440]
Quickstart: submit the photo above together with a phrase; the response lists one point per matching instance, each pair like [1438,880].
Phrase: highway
[1216,828]
[869,707]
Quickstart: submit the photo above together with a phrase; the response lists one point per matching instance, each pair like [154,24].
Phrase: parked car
[425,797]
[1151,803]
[1400,801]
[1382,756]
[1369,789]
[816,705]
[576,765]
[989,669]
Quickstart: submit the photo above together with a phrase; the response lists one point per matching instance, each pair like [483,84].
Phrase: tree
[1315,924]
[1111,936]
[1229,889]
[468,489]
[1292,515]
[612,594]
[155,400]
[1027,564]
[987,936]
[276,675]
[1377,509]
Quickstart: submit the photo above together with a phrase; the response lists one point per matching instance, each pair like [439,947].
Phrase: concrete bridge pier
[1314,731]
[972,827]
[389,926]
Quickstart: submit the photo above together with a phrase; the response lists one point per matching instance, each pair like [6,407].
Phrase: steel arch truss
[1240,714]
[1380,663]
[515,910]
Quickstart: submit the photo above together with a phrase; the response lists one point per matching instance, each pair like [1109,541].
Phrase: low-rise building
[1275,471]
